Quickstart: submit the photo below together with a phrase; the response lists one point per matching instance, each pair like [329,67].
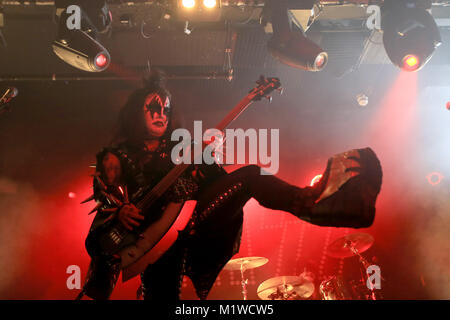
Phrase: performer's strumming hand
[130,216]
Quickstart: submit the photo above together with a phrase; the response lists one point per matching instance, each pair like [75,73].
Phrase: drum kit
[302,287]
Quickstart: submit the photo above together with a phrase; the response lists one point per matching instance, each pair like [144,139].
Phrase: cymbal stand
[243,282]
[365,264]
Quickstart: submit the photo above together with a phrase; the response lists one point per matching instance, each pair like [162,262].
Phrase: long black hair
[131,125]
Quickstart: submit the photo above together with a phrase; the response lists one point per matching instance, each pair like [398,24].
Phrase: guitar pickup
[115,236]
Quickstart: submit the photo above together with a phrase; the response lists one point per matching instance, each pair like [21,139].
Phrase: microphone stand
[4,103]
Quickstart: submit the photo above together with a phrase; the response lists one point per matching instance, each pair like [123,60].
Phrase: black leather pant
[162,280]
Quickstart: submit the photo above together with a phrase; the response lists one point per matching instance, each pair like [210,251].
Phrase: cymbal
[341,247]
[246,263]
[286,288]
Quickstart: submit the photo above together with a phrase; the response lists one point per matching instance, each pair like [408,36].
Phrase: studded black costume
[213,234]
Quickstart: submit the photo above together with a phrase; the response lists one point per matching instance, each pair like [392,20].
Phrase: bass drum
[334,288]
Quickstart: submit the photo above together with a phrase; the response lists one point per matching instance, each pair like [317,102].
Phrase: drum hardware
[334,288]
[302,286]
[346,246]
[352,245]
[287,288]
[244,264]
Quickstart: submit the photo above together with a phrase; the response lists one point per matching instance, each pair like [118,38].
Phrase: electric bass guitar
[113,241]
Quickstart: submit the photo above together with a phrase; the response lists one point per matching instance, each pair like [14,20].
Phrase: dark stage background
[55,129]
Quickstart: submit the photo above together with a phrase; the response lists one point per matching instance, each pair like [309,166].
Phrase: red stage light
[320,61]
[101,60]
[316,179]
[435,178]
[72,195]
[411,62]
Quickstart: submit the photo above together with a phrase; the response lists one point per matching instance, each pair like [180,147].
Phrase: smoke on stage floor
[18,221]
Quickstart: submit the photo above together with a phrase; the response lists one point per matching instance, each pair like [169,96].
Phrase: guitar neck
[177,171]
[235,113]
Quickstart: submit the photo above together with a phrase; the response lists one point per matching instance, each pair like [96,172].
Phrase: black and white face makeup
[156,114]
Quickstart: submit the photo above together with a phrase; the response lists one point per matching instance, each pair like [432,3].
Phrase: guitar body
[114,240]
[151,236]
[135,268]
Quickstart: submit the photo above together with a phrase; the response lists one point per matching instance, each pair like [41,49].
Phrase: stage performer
[140,156]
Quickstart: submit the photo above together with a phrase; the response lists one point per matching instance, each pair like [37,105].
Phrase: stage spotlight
[435,178]
[210,3]
[289,44]
[198,11]
[188,3]
[79,47]
[362,100]
[101,60]
[411,62]
[82,51]
[410,34]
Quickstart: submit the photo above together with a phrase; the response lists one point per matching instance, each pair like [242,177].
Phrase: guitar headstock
[265,86]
